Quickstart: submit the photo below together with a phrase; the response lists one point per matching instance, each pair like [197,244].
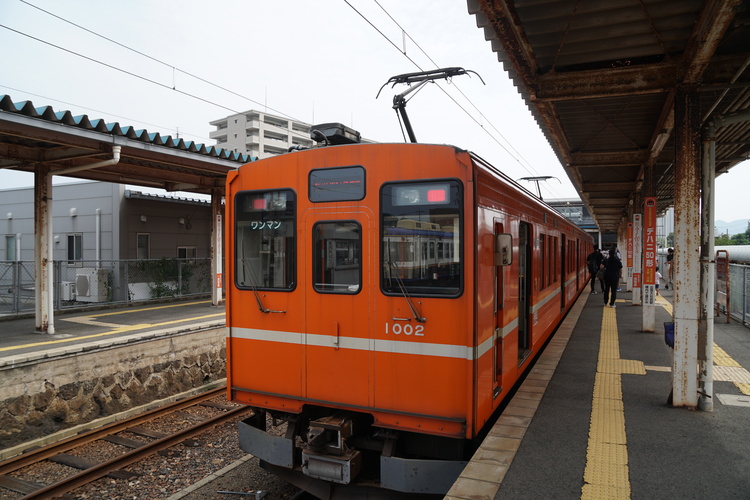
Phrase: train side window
[504,249]
[421,238]
[265,240]
[337,257]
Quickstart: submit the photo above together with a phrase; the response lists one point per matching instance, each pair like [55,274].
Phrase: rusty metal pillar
[687,238]
[708,273]
[217,253]
[43,268]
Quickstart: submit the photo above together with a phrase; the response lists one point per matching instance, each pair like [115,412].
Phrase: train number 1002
[404,329]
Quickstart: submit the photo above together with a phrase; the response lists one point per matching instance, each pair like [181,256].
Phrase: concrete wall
[43,393]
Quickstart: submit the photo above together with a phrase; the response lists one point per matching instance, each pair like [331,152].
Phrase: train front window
[337,257]
[265,239]
[421,227]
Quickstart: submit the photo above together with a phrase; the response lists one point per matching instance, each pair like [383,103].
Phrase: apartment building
[260,134]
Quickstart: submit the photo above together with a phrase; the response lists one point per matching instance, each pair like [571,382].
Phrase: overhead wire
[528,167]
[130,73]
[192,75]
[80,106]
[174,88]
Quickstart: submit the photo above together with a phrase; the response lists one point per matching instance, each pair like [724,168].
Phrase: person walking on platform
[612,275]
[670,263]
[658,279]
[594,261]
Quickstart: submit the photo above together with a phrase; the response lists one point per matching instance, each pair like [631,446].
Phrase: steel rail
[93,473]
[45,452]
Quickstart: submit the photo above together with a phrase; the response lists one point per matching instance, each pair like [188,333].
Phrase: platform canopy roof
[601,79]
[32,136]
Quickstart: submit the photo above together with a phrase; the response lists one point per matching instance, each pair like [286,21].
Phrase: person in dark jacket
[612,275]
[670,271]
[594,261]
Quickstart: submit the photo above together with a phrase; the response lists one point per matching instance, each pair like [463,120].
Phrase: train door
[337,306]
[499,316]
[578,264]
[563,271]
[524,290]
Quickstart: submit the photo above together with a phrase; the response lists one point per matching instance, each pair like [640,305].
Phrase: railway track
[147,444]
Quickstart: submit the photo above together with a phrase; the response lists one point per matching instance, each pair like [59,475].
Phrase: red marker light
[436,195]
[259,204]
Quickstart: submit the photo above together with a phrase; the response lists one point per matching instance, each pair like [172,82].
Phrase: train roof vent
[334,133]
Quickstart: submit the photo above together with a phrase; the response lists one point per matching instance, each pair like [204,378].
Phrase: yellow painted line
[141,309]
[607,474]
[121,329]
[90,319]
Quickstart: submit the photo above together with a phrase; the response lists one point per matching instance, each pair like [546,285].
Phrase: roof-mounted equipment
[334,134]
[419,78]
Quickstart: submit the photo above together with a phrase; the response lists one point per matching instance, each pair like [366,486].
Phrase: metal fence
[739,293]
[88,283]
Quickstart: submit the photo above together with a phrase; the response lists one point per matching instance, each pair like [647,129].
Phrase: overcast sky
[172,67]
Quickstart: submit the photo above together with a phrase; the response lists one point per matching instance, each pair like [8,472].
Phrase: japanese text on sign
[259,225]
[649,241]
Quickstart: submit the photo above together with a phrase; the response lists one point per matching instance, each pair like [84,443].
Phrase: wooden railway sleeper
[102,469]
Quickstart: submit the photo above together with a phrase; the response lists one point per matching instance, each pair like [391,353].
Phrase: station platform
[100,328]
[592,420]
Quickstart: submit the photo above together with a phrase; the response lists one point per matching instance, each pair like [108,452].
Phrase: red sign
[649,241]
[636,280]
[218,281]
[629,255]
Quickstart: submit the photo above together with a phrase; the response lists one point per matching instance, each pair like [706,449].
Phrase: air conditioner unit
[91,284]
[67,290]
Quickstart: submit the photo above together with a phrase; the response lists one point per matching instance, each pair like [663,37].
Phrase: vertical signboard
[637,227]
[649,250]
[630,245]
[629,257]
[216,254]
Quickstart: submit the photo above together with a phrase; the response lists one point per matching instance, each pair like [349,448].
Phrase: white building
[109,244]
[260,134]
[102,221]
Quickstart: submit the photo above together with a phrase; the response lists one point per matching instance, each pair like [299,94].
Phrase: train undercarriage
[340,454]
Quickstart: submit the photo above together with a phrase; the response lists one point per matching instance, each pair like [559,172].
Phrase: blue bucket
[669,334]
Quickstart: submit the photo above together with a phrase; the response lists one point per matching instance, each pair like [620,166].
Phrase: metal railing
[88,283]
[739,293]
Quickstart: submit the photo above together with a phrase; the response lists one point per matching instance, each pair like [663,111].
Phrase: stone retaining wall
[71,387]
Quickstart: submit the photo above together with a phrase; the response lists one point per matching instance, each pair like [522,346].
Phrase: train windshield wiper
[402,287]
[251,276]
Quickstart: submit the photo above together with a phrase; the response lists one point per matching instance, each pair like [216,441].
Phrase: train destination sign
[337,184]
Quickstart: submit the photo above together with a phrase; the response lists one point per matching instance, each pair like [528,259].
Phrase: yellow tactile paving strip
[481,478]
[725,368]
[607,474]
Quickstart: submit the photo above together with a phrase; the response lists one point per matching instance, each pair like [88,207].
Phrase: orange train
[382,301]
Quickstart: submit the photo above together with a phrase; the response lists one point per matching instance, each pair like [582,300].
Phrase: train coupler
[326,454]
